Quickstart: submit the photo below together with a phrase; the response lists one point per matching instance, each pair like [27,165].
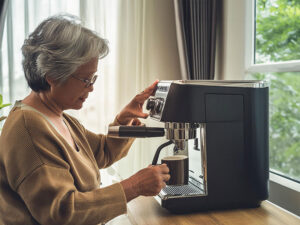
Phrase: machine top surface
[223,83]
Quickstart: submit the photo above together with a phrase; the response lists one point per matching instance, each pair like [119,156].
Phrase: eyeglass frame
[88,82]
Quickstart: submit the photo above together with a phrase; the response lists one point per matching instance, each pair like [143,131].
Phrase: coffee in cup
[179,169]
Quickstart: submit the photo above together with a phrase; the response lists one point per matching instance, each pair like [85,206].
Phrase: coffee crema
[175,157]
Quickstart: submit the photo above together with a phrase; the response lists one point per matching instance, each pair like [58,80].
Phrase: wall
[230,57]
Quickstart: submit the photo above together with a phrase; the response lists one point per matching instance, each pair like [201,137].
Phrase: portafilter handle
[136,131]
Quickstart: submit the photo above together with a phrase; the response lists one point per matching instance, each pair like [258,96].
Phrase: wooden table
[146,210]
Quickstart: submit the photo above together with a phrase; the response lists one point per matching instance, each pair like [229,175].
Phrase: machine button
[158,106]
[150,104]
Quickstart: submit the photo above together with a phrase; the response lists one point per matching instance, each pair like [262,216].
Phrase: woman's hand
[134,110]
[146,182]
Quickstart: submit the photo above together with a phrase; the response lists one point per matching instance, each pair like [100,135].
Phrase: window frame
[288,66]
[283,192]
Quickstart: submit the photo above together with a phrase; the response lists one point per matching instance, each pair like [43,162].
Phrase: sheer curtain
[147,51]
[143,47]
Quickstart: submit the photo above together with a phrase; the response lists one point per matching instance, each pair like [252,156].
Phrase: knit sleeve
[51,197]
[106,149]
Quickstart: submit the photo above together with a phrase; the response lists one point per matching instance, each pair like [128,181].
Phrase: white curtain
[143,47]
[146,49]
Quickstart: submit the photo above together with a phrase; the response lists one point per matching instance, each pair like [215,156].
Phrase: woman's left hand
[134,110]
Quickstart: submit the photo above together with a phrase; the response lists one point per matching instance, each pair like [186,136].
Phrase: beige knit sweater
[43,180]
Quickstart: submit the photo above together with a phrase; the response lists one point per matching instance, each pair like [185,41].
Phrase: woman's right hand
[147,182]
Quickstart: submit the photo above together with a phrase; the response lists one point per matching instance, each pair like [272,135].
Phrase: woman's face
[72,93]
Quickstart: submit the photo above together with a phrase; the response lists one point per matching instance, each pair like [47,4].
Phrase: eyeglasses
[88,82]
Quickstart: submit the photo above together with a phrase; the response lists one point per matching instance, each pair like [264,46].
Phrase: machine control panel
[156,104]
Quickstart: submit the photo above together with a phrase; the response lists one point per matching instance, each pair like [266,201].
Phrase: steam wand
[155,158]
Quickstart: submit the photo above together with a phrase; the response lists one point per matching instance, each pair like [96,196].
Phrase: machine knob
[150,104]
[158,106]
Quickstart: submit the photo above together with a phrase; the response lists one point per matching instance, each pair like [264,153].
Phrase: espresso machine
[222,126]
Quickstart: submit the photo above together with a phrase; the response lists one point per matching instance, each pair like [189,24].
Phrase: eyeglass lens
[93,80]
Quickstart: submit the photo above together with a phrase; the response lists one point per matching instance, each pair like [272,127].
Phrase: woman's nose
[91,88]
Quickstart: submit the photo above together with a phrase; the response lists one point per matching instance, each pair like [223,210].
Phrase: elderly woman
[49,162]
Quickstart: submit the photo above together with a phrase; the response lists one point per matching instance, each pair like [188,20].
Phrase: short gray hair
[56,48]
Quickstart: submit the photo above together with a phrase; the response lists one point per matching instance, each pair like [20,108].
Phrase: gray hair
[56,48]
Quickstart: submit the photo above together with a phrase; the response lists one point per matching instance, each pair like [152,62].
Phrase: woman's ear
[50,81]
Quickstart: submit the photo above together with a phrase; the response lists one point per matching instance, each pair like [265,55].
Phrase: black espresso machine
[222,126]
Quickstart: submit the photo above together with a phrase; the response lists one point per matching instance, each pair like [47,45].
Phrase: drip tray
[180,191]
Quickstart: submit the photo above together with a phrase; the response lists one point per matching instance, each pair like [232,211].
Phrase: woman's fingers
[134,109]
[164,168]
[135,122]
[147,92]
[166,177]
[151,88]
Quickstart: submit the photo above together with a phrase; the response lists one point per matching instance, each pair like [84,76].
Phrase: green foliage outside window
[278,39]
[277,30]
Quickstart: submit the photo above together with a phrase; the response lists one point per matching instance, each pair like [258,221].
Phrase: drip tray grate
[181,190]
